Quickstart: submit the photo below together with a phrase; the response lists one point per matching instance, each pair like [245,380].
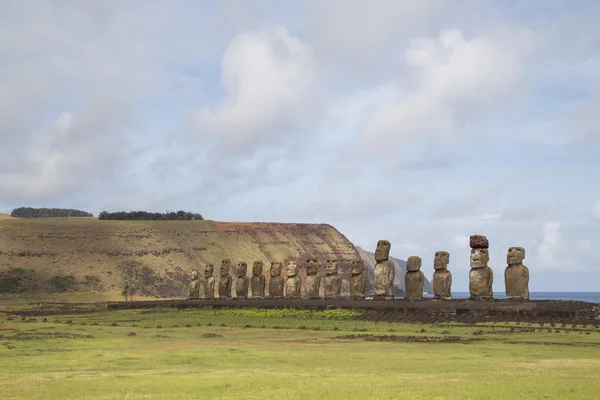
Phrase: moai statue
[414,279]
[333,281]
[225,281]
[257,282]
[209,282]
[195,286]
[516,275]
[384,271]
[312,282]
[358,279]
[242,282]
[276,281]
[292,283]
[481,276]
[442,278]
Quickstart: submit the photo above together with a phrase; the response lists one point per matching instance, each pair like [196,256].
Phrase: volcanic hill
[157,257]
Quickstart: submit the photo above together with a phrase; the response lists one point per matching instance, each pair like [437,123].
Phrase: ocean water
[592,297]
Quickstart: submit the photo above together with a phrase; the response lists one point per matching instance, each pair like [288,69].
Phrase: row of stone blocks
[480,277]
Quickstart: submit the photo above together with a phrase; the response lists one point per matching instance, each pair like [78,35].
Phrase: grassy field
[289,354]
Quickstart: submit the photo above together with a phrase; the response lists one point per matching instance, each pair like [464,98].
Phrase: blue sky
[417,122]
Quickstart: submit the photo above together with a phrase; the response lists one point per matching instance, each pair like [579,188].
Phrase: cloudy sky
[417,122]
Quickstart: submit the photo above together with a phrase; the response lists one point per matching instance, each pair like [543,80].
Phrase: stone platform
[426,310]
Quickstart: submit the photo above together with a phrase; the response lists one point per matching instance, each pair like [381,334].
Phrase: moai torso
[442,278]
[516,275]
[225,281]
[292,283]
[312,282]
[333,281]
[257,282]
[195,286]
[414,279]
[242,282]
[276,281]
[358,279]
[481,276]
[209,282]
[384,271]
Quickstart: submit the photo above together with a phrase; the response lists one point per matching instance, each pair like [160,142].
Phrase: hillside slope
[157,257]
[369,259]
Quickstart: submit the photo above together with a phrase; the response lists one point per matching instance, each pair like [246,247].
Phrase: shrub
[63,283]
[11,281]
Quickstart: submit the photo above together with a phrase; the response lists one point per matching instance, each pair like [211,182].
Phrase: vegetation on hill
[30,212]
[154,257]
[149,216]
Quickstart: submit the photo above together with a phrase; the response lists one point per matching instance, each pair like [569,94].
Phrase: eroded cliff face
[157,257]
[369,259]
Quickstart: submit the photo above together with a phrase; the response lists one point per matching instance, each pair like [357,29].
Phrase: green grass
[48,360]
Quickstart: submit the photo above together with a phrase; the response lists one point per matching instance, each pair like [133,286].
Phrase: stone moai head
[413,264]
[208,271]
[257,268]
[515,255]
[331,268]
[441,260]
[225,267]
[194,275]
[312,267]
[292,269]
[276,268]
[357,267]
[479,258]
[242,269]
[382,253]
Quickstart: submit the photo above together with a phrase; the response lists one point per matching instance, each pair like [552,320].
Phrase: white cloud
[77,149]
[584,244]
[597,209]
[460,242]
[551,245]
[450,80]
[269,78]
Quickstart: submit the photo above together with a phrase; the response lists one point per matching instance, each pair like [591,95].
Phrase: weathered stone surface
[442,283]
[226,280]
[479,258]
[242,282]
[413,283]
[195,286]
[333,281]
[358,279]
[516,275]
[441,260]
[481,276]
[384,280]
[312,282]
[276,281]
[384,271]
[413,264]
[292,283]
[442,278]
[257,282]
[382,252]
[414,279]
[480,283]
[209,282]
[479,242]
